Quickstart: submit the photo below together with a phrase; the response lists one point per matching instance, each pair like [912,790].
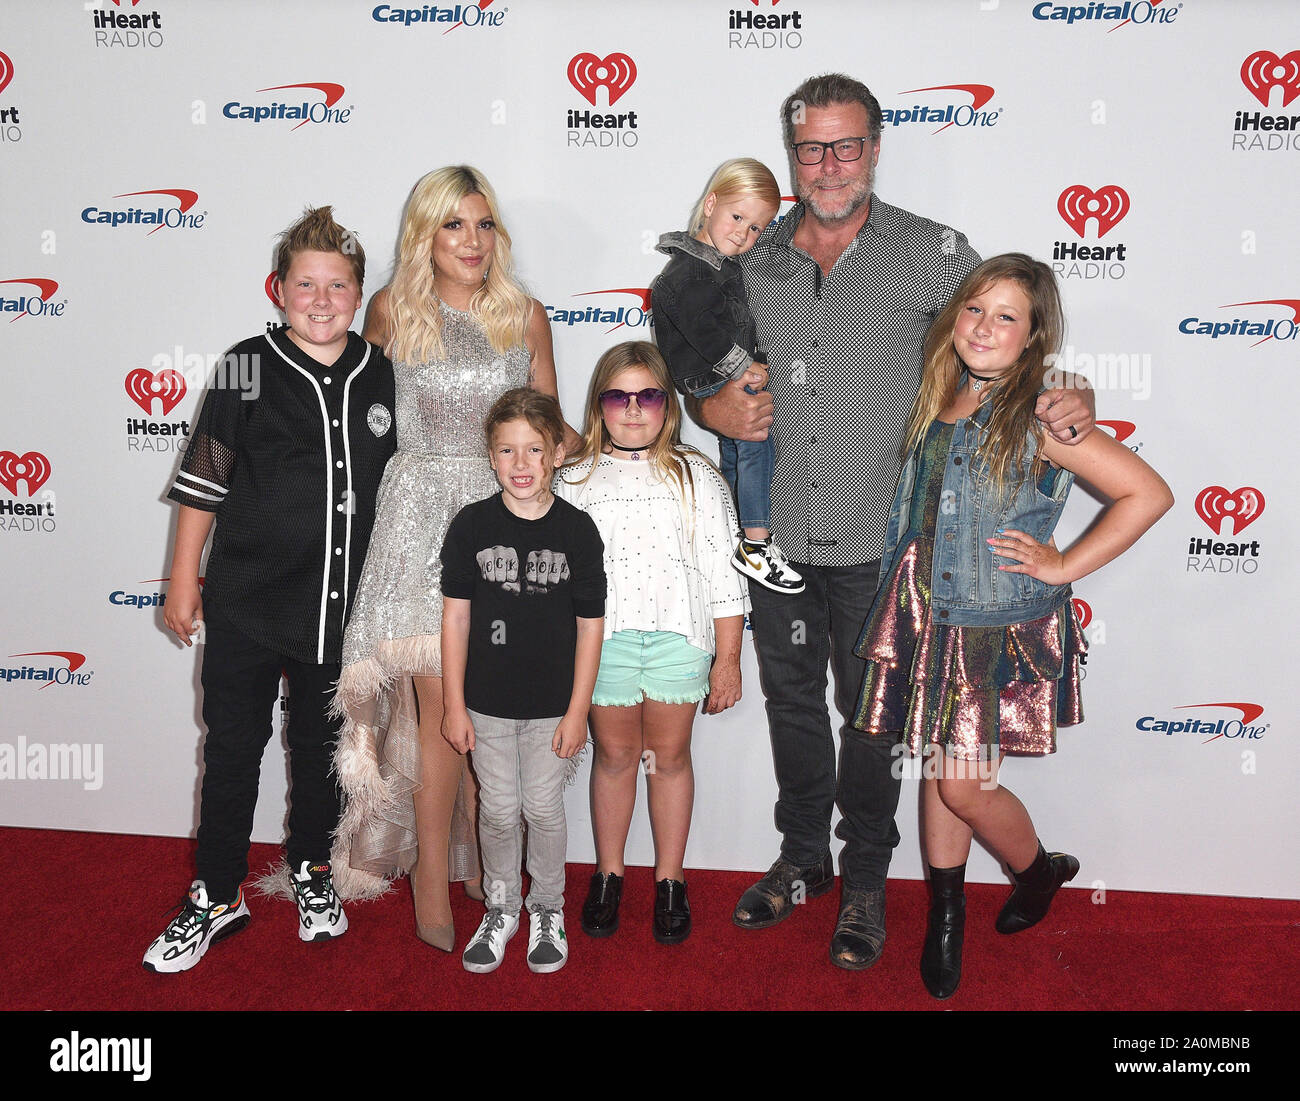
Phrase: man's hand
[1072,408]
[736,413]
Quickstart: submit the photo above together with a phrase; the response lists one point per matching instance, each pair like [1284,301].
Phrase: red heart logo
[167,386]
[1082,610]
[1263,70]
[6,71]
[615,73]
[33,468]
[269,287]
[1076,204]
[1243,507]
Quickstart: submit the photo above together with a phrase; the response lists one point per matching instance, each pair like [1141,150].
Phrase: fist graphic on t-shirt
[545,568]
[501,565]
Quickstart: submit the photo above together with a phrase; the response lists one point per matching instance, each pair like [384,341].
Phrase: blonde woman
[460,331]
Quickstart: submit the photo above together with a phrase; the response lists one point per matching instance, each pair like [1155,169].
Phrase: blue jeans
[747,466]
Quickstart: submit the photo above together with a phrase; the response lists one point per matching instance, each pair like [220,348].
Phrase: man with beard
[842,290]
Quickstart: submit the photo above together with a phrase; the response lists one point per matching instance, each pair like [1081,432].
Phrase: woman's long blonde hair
[741,176]
[1012,421]
[500,306]
[666,453]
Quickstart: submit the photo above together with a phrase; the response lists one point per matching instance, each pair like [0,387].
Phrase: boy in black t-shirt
[287,453]
[523,586]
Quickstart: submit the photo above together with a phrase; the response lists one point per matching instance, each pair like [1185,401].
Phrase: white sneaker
[320,913]
[190,933]
[548,947]
[766,564]
[487,948]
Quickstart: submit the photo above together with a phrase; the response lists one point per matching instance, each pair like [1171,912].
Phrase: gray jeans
[519,774]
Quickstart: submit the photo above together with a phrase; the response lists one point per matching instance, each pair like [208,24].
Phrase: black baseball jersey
[288,453]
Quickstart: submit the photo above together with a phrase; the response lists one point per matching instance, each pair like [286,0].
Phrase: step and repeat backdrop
[151,150]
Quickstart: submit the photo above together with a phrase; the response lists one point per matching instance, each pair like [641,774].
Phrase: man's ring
[1074,433]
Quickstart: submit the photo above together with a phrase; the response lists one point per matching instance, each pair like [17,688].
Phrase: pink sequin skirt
[972,690]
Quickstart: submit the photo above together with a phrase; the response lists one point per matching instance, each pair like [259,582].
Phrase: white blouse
[669,566]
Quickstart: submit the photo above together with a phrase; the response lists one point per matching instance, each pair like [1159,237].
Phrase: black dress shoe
[860,931]
[941,956]
[773,898]
[600,911]
[1035,887]
[672,912]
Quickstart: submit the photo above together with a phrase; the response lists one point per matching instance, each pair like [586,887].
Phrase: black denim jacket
[702,321]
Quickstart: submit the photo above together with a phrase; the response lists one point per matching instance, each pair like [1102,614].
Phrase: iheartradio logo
[143,386]
[1263,71]
[33,469]
[1083,610]
[6,71]
[615,72]
[1242,507]
[1108,205]
[270,288]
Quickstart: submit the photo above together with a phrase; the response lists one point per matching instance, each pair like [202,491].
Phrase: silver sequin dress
[393,629]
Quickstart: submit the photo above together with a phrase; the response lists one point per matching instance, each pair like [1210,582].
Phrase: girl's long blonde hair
[666,453]
[1012,422]
[741,176]
[500,305]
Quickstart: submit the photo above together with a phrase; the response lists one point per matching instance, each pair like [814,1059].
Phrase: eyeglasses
[648,400]
[814,152]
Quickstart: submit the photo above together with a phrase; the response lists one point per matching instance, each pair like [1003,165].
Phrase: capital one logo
[143,386]
[1242,507]
[1263,71]
[615,72]
[1108,205]
[32,468]
[6,71]
[1121,430]
[29,305]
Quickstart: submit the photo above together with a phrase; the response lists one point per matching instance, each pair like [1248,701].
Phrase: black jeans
[241,682]
[796,638]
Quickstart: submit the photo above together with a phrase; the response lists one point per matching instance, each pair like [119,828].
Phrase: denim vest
[967,589]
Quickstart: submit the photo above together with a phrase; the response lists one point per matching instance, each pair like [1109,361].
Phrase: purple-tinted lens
[649,399]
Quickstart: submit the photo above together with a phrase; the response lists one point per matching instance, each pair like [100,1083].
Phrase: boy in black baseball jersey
[523,584]
[288,466]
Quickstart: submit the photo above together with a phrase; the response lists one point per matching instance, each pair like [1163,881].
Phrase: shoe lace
[492,921]
[546,925]
[183,918]
[316,893]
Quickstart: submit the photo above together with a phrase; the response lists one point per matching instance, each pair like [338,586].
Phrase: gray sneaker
[487,948]
[548,947]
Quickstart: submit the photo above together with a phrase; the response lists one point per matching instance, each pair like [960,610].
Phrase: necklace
[634,453]
[977,381]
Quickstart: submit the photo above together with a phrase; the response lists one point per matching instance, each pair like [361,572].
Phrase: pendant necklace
[633,453]
[977,381]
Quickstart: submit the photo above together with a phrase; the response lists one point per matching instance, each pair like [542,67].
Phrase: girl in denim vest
[972,645]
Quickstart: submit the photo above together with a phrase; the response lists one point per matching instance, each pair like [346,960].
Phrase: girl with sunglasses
[673,622]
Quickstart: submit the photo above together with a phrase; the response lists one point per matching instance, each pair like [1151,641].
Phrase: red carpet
[79,909]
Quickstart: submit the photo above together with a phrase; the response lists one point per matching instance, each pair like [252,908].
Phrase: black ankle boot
[1035,887]
[600,911]
[672,914]
[941,956]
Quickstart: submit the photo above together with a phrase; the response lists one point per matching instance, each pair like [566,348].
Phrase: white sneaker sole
[230,924]
[488,968]
[323,932]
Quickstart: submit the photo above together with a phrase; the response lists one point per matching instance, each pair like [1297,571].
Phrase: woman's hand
[1028,555]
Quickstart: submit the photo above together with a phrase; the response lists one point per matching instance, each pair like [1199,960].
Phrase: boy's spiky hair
[317,231]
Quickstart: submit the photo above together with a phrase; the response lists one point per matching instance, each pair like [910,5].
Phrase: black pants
[796,638]
[241,682]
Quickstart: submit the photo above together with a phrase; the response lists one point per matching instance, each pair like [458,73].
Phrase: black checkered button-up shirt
[844,358]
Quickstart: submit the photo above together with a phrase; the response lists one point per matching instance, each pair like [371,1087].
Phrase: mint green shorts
[655,665]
